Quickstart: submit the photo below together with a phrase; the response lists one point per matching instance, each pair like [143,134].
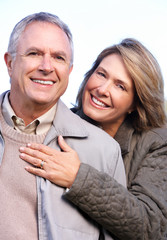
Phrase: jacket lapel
[66,124]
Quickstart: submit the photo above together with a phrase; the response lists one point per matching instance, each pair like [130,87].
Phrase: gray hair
[39,17]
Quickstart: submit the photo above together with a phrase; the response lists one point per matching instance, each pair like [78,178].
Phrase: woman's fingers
[34,152]
[41,148]
[36,171]
[36,162]
[59,167]
[32,156]
[63,145]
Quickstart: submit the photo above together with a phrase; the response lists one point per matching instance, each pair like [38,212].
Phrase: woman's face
[109,93]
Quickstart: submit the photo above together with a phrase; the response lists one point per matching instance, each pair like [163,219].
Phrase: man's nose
[46,64]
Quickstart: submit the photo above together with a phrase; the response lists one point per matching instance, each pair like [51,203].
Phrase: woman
[123,94]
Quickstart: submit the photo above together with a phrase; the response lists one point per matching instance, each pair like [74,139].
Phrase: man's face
[40,72]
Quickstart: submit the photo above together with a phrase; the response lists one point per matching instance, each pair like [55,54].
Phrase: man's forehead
[44,34]
[44,25]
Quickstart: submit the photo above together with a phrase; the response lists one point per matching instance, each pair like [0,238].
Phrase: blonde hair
[148,81]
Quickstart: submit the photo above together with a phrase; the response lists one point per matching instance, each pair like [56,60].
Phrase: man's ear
[8,60]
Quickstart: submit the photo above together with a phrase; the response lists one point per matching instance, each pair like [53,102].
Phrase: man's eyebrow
[32,49]
[61,53]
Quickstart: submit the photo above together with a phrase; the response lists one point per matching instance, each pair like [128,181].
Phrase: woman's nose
[104,89]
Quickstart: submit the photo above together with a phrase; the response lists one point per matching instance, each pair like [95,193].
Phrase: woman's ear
[133,108]
[8,60]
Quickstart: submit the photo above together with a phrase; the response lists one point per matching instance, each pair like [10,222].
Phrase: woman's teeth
[98,102]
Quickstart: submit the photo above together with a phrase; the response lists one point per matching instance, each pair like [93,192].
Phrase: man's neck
[39,125]
[29,112]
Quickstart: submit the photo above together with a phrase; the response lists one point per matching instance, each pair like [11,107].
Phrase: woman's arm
[137,213]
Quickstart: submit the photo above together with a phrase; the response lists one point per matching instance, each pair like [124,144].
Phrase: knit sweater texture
[18,208]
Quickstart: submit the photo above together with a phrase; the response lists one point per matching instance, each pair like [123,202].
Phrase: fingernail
[21,148]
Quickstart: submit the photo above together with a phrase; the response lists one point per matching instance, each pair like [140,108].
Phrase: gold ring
[42,163]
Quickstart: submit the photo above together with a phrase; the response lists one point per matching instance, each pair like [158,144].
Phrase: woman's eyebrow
[99,68]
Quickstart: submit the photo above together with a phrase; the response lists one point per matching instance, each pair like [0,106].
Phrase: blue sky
[95,24]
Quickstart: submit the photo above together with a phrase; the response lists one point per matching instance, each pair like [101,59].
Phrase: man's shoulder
[96,133]
[90,126]
[93,145]
[84,134]
[73,124]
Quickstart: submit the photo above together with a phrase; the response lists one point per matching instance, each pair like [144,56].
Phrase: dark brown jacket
[141,211]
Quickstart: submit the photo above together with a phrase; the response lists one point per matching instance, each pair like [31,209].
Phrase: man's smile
[43,82]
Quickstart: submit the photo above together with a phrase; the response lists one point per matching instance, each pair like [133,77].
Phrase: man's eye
[33,54]
[60,58]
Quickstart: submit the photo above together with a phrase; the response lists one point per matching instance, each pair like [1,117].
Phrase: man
[39,61]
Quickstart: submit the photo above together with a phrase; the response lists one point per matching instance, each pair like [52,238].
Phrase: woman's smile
[97,102]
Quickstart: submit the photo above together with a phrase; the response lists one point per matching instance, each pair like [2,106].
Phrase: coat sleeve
[137,213]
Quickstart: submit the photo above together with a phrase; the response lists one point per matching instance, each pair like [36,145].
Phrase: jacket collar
[66,124]
[1,100]
[124,136]
[2,97]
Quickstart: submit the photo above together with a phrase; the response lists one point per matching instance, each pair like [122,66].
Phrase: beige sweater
[18,198]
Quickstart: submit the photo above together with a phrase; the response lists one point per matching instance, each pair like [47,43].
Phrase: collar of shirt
[38,126]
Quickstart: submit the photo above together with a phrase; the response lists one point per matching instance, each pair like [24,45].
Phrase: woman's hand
[58,167]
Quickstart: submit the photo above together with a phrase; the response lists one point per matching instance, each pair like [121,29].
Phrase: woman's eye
[101,74]
[121,87]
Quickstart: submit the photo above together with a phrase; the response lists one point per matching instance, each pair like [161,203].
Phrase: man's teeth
[98,102]
[43,82]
